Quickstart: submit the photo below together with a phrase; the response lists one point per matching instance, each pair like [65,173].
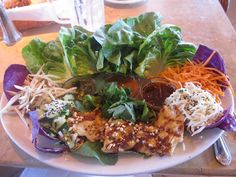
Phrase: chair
[225,4]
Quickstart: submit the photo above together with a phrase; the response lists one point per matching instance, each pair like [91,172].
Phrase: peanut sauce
[156,93]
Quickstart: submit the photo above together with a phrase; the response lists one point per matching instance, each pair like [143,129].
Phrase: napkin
[37,12]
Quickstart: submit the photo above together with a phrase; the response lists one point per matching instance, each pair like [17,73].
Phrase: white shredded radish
[22,117]
[38,89]
[183,146]
[198,106]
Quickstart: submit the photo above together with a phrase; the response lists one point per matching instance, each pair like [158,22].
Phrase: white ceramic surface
[127,164]
[123,2]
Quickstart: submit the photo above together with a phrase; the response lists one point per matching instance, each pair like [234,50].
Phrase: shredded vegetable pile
[208,78]
[197,106]
[38,89]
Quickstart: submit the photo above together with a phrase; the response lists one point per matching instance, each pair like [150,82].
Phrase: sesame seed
[150,145]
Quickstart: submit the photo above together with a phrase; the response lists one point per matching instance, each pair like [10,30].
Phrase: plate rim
[124,2]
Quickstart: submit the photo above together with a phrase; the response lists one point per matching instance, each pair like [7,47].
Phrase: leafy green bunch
[116,102]
[138,45]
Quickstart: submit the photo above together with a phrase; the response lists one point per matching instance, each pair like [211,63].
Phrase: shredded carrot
[210,79]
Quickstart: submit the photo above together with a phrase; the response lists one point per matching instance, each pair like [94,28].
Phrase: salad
[134,85]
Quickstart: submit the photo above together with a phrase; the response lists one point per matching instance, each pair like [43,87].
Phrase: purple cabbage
[56,150]
[229,124]
[15,74]
[37,130]
[226,122]
[220,119]
[45,134]
[203,53]
[35,124]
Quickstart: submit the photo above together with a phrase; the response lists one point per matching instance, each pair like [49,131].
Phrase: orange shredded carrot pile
[208,78]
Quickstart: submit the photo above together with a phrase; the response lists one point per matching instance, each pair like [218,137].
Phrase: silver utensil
[10,34]
[222,152]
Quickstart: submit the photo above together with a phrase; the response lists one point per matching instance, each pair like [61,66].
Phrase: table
[202,21]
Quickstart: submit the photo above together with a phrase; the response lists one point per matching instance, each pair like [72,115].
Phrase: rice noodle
[38,89]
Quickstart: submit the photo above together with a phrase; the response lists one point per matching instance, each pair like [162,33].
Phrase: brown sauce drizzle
[155,94]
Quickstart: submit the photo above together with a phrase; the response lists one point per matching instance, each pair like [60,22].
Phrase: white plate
[124,1]
[127,164]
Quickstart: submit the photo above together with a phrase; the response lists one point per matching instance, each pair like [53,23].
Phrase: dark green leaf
[116,103]
[131,110]
[90,102]
[93,149]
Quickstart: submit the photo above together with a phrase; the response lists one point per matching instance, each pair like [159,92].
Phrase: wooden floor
[15,172]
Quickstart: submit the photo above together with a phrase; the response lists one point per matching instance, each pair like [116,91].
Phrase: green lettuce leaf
[161,49]
[141,45]
[93,149]
[131,110]
[49,55]
[145,23]
[88,103]
[32,53]
[120,42]
[137,45]
[78,53]
[117,103]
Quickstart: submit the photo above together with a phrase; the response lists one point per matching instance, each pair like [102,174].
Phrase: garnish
[209,78]
[198,107]
[137,45]
[38,89]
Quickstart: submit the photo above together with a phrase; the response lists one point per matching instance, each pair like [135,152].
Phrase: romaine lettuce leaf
[145,23]
[78,54]
[32,53]
[141,45]
[49,55]
[137,45]
[120,42]
[163,48]
[117,41]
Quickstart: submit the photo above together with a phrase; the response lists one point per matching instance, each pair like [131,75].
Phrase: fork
[222,152]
